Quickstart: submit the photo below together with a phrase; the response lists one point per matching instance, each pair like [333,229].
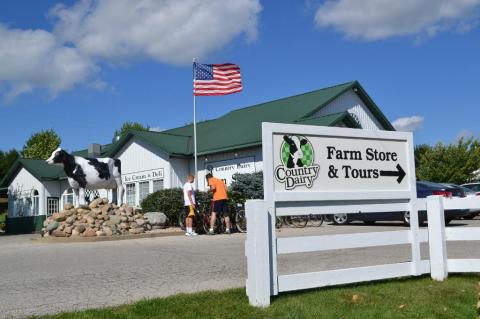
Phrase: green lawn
[404,298]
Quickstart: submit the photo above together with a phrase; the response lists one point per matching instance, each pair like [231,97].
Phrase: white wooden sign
[324,162]
[143,175]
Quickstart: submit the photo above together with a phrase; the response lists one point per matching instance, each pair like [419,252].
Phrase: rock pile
[100,218]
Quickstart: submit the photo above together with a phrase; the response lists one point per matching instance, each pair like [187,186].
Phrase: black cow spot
[118,164]
[79,176]
[100,167]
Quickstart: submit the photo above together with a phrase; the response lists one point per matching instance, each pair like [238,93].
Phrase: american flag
[216,79]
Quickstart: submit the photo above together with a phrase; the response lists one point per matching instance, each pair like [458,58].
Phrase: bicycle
[201,221]
[239,218]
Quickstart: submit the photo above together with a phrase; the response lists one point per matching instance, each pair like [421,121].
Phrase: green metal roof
[37,167]
[171,144]
[330,120]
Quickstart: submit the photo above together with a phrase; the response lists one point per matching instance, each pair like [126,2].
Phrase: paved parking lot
[42,278]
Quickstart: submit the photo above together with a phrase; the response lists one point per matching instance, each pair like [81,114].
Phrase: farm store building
[154,160]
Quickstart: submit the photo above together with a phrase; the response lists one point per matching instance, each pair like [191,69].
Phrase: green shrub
[3,221]
[170,202]
[246,186]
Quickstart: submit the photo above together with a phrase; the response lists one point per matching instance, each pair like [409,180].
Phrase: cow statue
[295,149]
[89,173]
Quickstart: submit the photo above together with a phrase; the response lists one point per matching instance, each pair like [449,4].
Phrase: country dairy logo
[298,167]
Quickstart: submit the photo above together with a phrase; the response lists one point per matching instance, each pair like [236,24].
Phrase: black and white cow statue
[295,149]
[89,173]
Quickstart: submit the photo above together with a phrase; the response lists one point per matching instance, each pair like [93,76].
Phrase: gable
[350,102]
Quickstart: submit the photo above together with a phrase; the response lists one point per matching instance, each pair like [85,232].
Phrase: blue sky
[416,65]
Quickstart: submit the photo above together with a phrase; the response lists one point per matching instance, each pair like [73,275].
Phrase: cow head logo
[297,159]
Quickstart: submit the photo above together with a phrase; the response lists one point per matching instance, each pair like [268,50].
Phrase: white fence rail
[262,247]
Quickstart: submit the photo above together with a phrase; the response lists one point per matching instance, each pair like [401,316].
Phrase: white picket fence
[262,246]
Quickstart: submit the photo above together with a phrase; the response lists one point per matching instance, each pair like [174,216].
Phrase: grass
[402,298]
[3,219]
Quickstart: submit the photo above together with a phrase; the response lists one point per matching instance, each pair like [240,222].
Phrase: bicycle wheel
[278,222]
[181,220]
[299,221]
[315,220]
[241,221]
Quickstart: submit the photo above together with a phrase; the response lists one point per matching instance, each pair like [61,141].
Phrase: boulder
[75,233]
[156,218]
[83,206]
[58,233]
[67,206]
[69,212]
[89,232]
[51,227]
[95,203]
[108,231]
[90,220]
[106,208]
[113,220]
[140,222]
[68,230]
[80,228]
[59,217]
[100,233]
[70,220]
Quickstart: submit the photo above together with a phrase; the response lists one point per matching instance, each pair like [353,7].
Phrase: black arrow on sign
[400,173]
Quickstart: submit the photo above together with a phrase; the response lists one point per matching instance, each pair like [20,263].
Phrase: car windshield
[473,187]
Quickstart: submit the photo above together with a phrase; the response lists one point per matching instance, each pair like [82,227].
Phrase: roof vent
[94,150]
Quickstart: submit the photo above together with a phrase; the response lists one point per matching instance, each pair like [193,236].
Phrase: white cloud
[156,129]
[168,31]
[380,19]
[35,59]
[408,124]
[91,33]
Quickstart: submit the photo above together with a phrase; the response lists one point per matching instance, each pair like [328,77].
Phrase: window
[67,197]
[35,203]
[52,205]
[144,190]
[157,185]
[131,194]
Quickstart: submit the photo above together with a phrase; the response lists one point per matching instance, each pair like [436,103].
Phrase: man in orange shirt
[220,205]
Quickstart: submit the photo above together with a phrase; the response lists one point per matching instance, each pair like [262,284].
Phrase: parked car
[424,189]
[473,186]
[469,193]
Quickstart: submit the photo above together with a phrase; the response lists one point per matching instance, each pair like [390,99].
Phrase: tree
[449,163]
[130,125]
[6,161]
[41,145]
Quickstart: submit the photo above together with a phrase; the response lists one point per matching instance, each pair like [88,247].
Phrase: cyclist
[189,204]
[220,205]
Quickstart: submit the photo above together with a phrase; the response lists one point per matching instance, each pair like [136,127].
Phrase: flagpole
[195,129]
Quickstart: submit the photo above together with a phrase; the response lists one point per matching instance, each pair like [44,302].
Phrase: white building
[156,160]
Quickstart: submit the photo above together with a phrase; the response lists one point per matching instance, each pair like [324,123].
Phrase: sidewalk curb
[57,240]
